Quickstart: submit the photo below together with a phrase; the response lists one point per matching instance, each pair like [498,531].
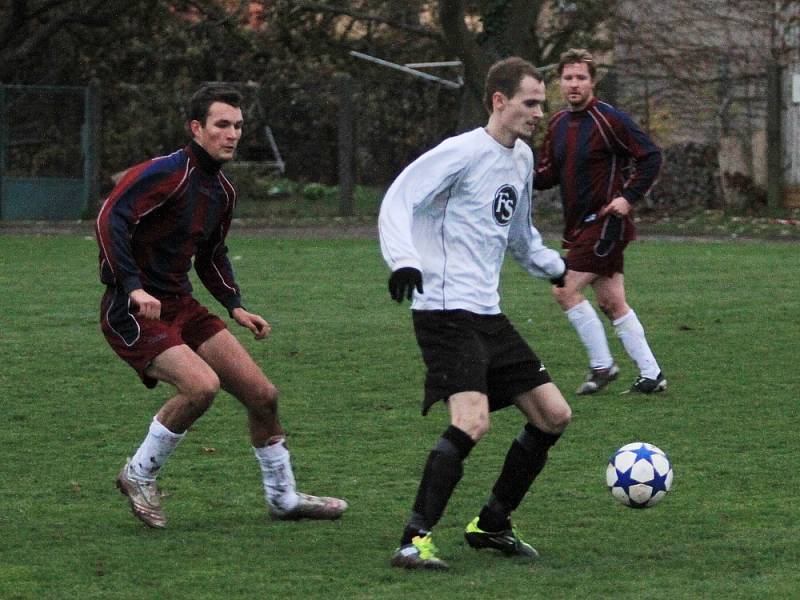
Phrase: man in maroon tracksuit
[604,164]
[161,215]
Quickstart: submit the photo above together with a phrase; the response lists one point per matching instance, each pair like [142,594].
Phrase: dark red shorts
[603,257]
[138,341]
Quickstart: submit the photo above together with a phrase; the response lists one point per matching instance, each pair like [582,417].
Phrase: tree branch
[31,40]
[15,22]
[361,16]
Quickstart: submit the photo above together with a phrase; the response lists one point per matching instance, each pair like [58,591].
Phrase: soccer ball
[639,475]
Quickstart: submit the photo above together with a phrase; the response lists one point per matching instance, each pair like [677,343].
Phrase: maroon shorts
[603,257]
[138,341]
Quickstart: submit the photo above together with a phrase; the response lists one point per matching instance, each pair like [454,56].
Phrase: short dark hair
[209,93]
[576,56]
[505,76]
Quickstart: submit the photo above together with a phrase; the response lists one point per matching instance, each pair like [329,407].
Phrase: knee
[607,306]
[560,295]
[566,297]
[202,391]
[475,427]
[264,398]
[560,418]
[613,308]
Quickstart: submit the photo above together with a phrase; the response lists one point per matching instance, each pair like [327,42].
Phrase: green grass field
[722,319]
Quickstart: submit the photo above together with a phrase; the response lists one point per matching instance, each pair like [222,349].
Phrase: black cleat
[506,541]
[644,385]
[597,379]
[419,554]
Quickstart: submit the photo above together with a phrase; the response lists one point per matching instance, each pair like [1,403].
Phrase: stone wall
[698,176]
[689,179]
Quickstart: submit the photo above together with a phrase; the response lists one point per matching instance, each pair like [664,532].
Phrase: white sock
[156,448]
[591,332]
[277,476]
[631,333]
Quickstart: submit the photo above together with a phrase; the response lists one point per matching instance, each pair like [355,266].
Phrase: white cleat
[310,507]
[144,497]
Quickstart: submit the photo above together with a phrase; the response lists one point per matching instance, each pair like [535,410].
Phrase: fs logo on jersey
[505,202]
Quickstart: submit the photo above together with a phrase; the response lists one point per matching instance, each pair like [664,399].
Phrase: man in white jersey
[445,225]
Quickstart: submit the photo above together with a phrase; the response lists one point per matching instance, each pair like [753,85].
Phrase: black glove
[559,281]
[403,281]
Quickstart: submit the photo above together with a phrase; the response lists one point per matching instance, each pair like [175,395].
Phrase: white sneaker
[144,497]
[310,507]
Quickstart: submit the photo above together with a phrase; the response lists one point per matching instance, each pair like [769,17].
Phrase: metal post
[346,142]
[609,84]
[3,138]
[774,138]
[453,85]
[91,147]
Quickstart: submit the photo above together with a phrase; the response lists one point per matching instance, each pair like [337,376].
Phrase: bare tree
[31,28]
[537,30]
[479,33]
[703,71]
[704,60]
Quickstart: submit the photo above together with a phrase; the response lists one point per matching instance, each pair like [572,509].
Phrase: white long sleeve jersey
[454,211]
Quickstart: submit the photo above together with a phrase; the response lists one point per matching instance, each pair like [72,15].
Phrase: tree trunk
[509,29]
[461,42]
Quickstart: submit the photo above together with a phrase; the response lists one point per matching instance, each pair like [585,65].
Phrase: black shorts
[467,352]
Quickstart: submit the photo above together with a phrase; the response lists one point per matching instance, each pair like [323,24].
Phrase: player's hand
[258,325]
[146,305]
[619,207]
[403,281]
[559,281]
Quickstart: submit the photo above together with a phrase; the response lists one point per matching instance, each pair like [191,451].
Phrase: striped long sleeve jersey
[163,213]
[595,155]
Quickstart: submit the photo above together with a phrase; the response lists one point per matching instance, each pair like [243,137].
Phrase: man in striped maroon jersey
[161,215]
[604,164]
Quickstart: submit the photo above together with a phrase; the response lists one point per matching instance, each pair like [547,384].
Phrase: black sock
[443,471]
[410,532]
[493,517]
[524,461]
